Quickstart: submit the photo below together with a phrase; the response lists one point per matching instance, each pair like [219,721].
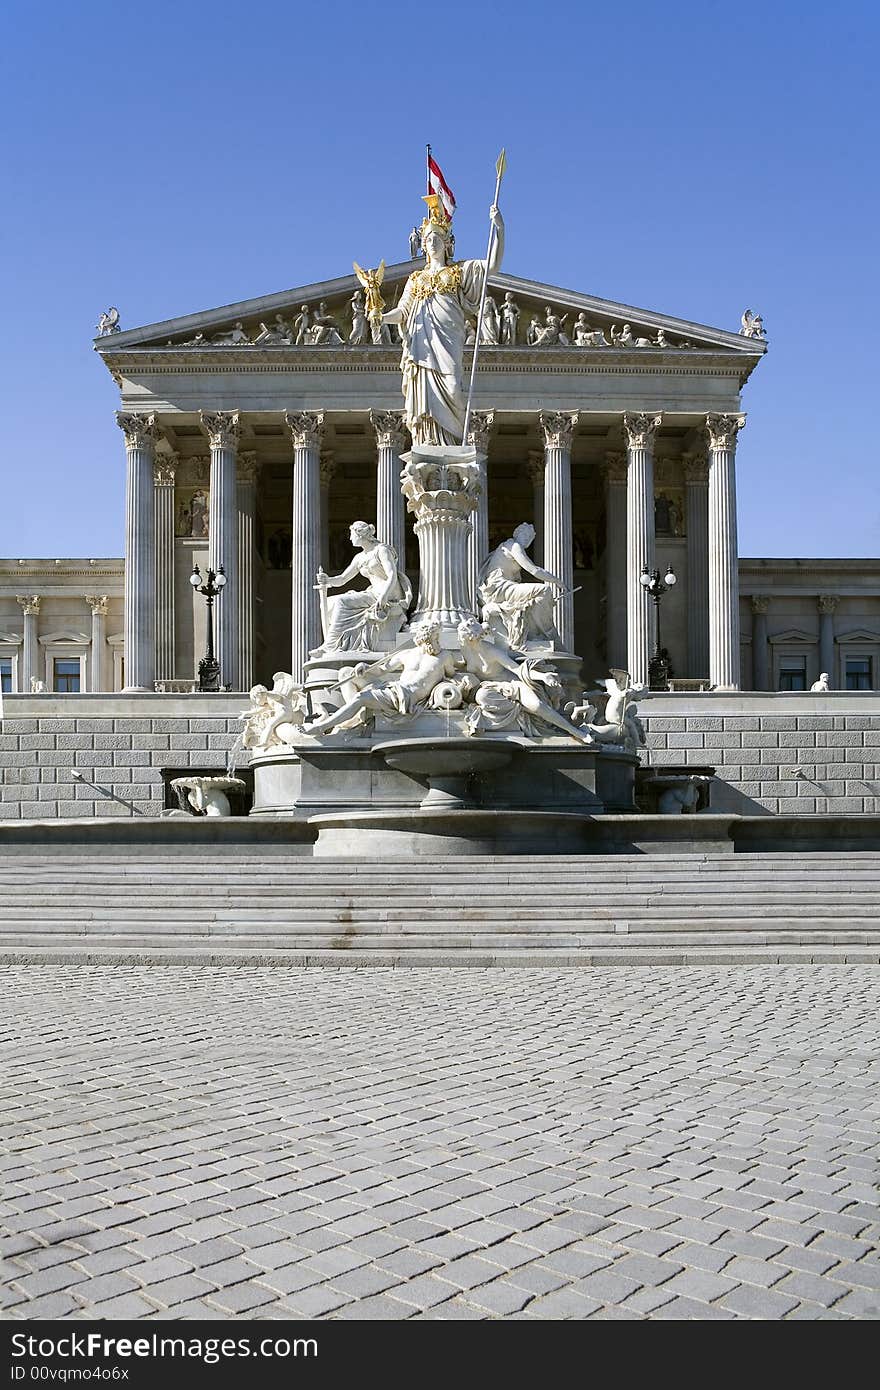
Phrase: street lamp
[209,666]
[659,668]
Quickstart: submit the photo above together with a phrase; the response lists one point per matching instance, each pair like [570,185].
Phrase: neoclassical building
[257,432]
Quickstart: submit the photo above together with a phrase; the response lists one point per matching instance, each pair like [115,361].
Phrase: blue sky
[694,158]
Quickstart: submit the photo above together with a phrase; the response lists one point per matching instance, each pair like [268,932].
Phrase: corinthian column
[615,559]
[306,432]
[696,478]
[99,604]
[760,650]
[639,432]
[327,474]
[724,656]
[827,607]
[30,607]
[479,429]
[558,430]
[223,434]
[141,433]
[390,443]
[535,474]
[164,473]
[246,500]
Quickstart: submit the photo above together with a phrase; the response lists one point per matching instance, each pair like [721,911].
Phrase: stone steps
[241,906]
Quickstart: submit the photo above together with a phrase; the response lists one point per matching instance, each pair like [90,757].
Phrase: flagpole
[427,168]
[500,166]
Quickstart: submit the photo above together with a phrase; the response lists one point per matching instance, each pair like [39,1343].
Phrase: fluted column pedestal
[223,434]
[827,608]
[390,512]
[443,507]
[246,501]
[558,430]
[615,560]
[306,431]
[479,429]
[724,653]
[141,433]
[164,473]
[639,432]
[696,476]
[30,654]
[760,649]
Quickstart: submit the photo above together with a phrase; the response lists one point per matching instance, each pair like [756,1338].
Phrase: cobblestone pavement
[626,1143]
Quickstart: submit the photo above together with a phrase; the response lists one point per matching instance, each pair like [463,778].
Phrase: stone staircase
[210,906]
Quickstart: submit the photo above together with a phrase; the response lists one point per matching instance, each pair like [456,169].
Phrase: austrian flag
[437,184]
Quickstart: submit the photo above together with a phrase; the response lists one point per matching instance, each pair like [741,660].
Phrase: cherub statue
[274,716]
[621,723]
[752,326]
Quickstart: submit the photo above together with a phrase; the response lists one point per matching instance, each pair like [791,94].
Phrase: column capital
[248,467]
[615,468]
[327,469]
[828,603]
[640,429]
[99,604]
[760,603]
[223,428]
[306,429]
[696,468]
[141,429]
[721,430]
[30,603]
[558,428]
[389,427]
[479,429]
[535,467]
[165,470]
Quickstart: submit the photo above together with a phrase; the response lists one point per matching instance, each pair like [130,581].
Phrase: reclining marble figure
[508,693]
[397,684]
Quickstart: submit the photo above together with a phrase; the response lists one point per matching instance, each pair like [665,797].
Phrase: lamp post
[659,668]
[209,666]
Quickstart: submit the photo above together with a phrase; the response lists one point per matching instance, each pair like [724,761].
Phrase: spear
[500,166]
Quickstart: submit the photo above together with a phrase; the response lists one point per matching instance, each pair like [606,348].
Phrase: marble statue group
[480,659]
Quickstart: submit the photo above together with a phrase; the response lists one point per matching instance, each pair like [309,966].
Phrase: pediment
[616,327]
[793,634]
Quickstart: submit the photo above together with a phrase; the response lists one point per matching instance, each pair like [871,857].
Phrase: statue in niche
[517,611]
[233,336]
[509,316]
[510,693]
[360,329]
[395,685]
[585,336]
[323,332]
[431,315]
[582,545]
[279,549]
[199,513]
[301,325]
[490,333]
[279,332]
[667,516]
[364,620]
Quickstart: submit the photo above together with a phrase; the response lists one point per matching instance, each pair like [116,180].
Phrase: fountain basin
[207,795]
[449,764]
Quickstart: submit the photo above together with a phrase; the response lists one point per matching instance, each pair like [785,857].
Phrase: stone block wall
[119,741]
[757,742]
